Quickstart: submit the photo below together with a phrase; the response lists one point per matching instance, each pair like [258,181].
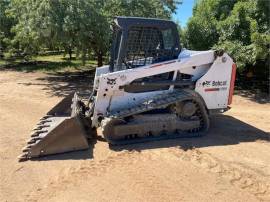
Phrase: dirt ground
[231,163]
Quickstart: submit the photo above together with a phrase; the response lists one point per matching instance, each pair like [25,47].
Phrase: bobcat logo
[219,83]
[206,83]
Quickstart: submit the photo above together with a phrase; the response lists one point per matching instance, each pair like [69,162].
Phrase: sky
[183,12]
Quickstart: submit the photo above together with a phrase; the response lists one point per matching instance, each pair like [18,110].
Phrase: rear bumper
[218,111]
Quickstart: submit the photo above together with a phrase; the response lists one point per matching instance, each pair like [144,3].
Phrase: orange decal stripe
[233,75]
[211,89]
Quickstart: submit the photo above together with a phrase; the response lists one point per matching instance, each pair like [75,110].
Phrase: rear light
[233,74]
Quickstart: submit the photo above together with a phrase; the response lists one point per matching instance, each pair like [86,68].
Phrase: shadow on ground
[32,66]
[63,83]
[255,96]
[224,130]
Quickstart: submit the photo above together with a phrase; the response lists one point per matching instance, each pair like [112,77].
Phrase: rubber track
[155,138]
[160,101]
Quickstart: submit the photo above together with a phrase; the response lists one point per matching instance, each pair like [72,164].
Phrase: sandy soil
[232,163]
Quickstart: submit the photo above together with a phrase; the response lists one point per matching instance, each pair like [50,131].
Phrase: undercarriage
[169,115]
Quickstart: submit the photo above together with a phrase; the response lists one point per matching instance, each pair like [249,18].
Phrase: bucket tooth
[41,131]
[36,133]
[34,139]
[31,141]
[45,117]
[41,127]
[37,138]
[44,121]
[23,157]
[25,149]
[28,146]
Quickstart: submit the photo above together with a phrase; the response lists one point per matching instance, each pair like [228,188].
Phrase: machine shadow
[258,97]
[224,130]
[62,84]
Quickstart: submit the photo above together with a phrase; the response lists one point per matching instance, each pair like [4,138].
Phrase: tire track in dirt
[133,162]
[238,175]
[145,175]
[92,169]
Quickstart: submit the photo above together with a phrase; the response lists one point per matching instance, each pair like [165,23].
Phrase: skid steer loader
[153,89]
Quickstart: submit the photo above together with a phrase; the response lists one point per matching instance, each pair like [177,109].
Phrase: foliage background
[82,27]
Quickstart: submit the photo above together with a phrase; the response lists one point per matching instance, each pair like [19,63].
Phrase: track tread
[160,101]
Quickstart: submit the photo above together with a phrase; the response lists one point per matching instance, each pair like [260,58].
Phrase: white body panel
[214,86]
[202,65]
[99,71]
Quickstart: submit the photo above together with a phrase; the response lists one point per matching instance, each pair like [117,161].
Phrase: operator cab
[143,41]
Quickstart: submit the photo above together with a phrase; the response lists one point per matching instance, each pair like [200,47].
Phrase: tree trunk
[70,53]
[83,57]
[99,59]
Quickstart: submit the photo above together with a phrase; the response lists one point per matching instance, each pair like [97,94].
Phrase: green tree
[6,24]
[68,24]
[26,39]
[245,32]
[140,8]
[82,26]
[202,32]
[239,27]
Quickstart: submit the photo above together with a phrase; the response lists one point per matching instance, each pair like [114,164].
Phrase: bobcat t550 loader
[152,89]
